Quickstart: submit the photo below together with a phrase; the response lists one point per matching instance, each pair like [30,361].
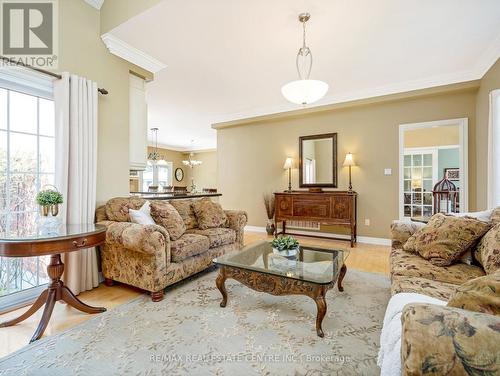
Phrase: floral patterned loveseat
[440,339]
[145,256]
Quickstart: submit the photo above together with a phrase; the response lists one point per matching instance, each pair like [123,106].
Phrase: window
[159,174]
[494,150]
[27,163]
[165,175]
[147,178]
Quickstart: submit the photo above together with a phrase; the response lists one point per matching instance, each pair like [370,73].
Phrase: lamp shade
[349,161]
[288,163]
[304,91]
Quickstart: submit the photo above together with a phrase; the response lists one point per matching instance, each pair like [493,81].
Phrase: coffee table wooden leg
[47,312]
[343,271]
[321,305]
[220,283]
[74,302]
[40,301]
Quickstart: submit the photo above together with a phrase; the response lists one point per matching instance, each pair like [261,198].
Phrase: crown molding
[185,150]
[97,4]
[488,58]
[482,65]
[124,50]
[170,147]
[345,98]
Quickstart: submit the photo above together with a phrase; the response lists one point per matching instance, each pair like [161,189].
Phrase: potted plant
[286,246]
[269,204]
[49,200]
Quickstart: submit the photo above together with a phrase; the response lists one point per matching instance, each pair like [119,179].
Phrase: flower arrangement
[49,200]
[285,243]
[49,197]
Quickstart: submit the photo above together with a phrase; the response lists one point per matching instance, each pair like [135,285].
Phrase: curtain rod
[43,71]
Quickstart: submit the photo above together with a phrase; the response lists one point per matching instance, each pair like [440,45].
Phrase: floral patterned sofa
[440,339]
[145,256]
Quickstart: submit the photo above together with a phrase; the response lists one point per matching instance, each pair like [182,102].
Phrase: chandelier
[304,91]
[191,162]
[155,157]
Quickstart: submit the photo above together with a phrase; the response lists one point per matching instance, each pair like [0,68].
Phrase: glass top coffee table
[312,272]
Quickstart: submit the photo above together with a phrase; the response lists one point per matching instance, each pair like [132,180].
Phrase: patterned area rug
[189,334]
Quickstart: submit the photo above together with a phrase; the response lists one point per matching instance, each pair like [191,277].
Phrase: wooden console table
[65,238]
[328,207]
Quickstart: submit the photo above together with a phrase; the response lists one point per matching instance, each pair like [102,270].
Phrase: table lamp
[349,162]
[288,166]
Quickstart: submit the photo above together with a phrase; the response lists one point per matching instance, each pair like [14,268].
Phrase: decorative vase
[44,210]
[270,228]
[290,254]
[54,209]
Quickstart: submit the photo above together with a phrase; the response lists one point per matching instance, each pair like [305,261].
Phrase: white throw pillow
[389,355]
[484,216]
[142,216]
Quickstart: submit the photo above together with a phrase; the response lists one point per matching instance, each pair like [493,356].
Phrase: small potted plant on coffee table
[286,246]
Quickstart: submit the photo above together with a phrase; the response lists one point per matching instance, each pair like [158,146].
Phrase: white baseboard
[361,239]
[255,228]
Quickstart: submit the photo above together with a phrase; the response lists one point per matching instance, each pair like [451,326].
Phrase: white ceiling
[227,59]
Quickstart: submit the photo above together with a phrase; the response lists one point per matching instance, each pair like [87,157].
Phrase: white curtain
[494,150]
[76,165]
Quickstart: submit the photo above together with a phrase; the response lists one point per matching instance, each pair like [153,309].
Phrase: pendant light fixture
[154,157]
[304,91]
[191,162]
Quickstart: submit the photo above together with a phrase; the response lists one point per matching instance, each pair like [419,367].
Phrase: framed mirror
[318,161]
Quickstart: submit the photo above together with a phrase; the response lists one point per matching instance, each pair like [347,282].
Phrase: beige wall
[83,53]
[430,137]
[490,81]
[116,12]
[205,175]
[250,156]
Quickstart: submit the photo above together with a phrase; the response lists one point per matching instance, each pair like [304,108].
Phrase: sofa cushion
[165,215]
[185,209]
[209,214]
[488,250]
[495,216]
[479,294]
[217,236]
[435,289]
[188,245]
[445,238]
[117,208]
[411,265]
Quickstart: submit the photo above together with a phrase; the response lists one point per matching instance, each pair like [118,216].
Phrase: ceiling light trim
[97,4]
[118,47]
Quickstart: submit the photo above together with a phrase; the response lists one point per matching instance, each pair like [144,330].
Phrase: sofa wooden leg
[109,282]
[157,296]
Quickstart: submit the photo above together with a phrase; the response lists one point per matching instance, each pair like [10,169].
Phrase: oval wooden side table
[65,238]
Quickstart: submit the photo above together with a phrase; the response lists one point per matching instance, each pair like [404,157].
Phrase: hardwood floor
[365,257]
